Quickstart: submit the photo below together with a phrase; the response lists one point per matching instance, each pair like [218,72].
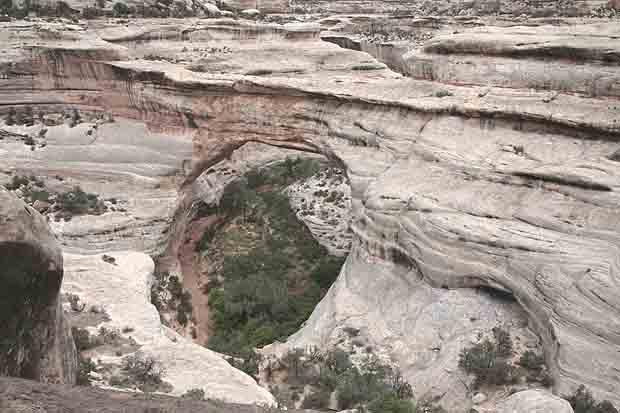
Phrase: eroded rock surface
[36,339]
[531,401]
[17,397]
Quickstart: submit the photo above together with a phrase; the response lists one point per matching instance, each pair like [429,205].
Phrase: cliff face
[537,8]
[453,187]
[36,340]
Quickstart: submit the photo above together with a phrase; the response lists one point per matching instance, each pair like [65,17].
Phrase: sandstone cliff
[36,339]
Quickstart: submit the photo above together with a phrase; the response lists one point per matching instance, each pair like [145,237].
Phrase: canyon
[479,149]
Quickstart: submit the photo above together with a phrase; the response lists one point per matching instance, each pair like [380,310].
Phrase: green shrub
[443,93]
[194,394]
[16,182]
[121,9]
[81,338]
[253,305]
[109,335]
[89,13]
[531,360]
[78,202]
[256,178]
[203,244]
[142,371]
[247,361]
[39,195]
[391,403]
[583,402]
[488,360]
[85,366]
[316,400]
[372,383]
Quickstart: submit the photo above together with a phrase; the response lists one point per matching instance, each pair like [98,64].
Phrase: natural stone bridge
[454,186]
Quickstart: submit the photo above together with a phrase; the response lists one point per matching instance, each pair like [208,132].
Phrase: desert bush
[81,338]
[121,9]
[582,401]
[443,93]
[16,182]
[317,400]
[247,361]
[142,371]
[75,303]
[89,13]
[488,360]
[79,202]
[85,366]
[203,244]
[194,394]
[391,403]
[109,335]
[371,383]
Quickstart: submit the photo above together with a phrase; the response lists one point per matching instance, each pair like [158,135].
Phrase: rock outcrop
[122,289]
[36,340]
[531,401]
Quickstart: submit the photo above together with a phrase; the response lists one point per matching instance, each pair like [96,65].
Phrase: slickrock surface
[36,339]
[123,290]
[533,401]
[20,396]
[458,180]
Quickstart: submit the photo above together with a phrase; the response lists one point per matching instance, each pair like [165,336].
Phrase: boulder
[211,10]
[534,401]
[36,341]
[250,13]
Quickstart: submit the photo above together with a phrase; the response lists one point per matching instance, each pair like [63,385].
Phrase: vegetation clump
[167,293]
[140,371]
[273,271]
[78,202]
[488,360]
[371,385]
[85,366]
[582,401]
[194,394]
[67,204]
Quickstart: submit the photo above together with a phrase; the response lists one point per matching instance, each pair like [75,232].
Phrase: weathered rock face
[453,187]
[36,341]
[540,8]
[122,289]
[534,401]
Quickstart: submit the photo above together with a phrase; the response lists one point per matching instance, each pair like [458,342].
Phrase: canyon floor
[467,172]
